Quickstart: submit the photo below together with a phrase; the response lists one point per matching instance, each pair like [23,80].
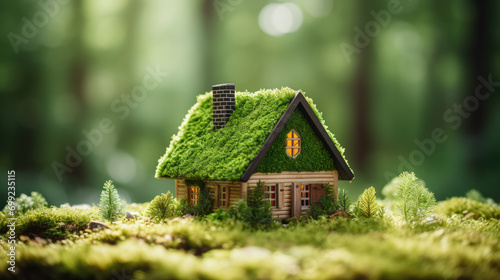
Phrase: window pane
[272,188]
[289,151]
[273,195]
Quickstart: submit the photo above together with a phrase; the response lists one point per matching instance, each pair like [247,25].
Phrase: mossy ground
[447,247]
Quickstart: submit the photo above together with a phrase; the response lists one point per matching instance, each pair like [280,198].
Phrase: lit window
[305,197]
[193,195]
[270,194]
[293,143]
[223,196]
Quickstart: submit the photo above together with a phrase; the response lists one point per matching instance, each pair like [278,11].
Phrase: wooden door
[317,190]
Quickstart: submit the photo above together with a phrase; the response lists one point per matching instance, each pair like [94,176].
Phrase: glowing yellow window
[193,195]
[293,143]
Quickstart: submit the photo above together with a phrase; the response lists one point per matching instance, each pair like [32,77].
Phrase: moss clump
[313,155]
[463,206]
[199,152]
[53,222]
[162,207]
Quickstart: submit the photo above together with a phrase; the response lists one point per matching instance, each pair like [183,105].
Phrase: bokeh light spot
[279,19]
[121,167]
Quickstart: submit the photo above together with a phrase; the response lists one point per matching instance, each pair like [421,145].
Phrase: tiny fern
[368,206]
[413,200]
[344,201]
[111,207]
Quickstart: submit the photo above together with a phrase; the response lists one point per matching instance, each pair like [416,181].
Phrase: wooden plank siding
[289,181]
[286,182]
[181,190]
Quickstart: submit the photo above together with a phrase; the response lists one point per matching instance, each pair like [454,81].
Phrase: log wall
[286,182]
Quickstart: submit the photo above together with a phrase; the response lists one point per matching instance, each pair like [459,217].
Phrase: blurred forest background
[381,82]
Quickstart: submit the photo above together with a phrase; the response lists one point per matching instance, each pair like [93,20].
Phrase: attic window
[293,144]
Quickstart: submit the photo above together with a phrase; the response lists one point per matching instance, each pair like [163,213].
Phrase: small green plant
[219,215]
[344,201]
[257,212]
[111,207]
[205,200]
[327,204]
[367,205]
[162,207]
[25,203]
[414,201]
[475,195]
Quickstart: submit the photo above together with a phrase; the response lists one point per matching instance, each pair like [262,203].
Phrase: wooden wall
[181,190]
[286,181]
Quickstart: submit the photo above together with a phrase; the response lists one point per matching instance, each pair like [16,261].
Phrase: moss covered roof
[199,152]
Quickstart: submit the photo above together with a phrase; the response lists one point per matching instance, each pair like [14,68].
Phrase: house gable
[299,101]
[313,155]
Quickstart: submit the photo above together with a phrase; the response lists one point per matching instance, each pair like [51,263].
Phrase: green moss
[463,206]
[313,155]
[53,222]
[323,249]
[199,152]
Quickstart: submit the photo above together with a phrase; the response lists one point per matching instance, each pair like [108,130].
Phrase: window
[305,195]
[194,195]
[293,143]
[223,196]
[270,194]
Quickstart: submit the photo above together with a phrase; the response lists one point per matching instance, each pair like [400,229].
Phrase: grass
[446,246]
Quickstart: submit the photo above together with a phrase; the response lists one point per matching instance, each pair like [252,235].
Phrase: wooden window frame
[194,195]
[305,195]
[267,194]
[220,195]
[293,144]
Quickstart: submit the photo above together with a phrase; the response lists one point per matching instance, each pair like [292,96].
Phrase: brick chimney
[222,104]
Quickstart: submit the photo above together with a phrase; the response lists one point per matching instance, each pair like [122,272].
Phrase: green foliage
[367,205]
[53,222]
[413,201]
[257,212]
[111,207]
[162,207]
[25,203]
[197,151]
[313,155]
[344,201]
[219,215]
[205,200]
[254,217]
[475,195]
[462,206]
[327,204]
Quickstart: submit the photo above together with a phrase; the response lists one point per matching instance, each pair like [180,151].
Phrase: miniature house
[232,141]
